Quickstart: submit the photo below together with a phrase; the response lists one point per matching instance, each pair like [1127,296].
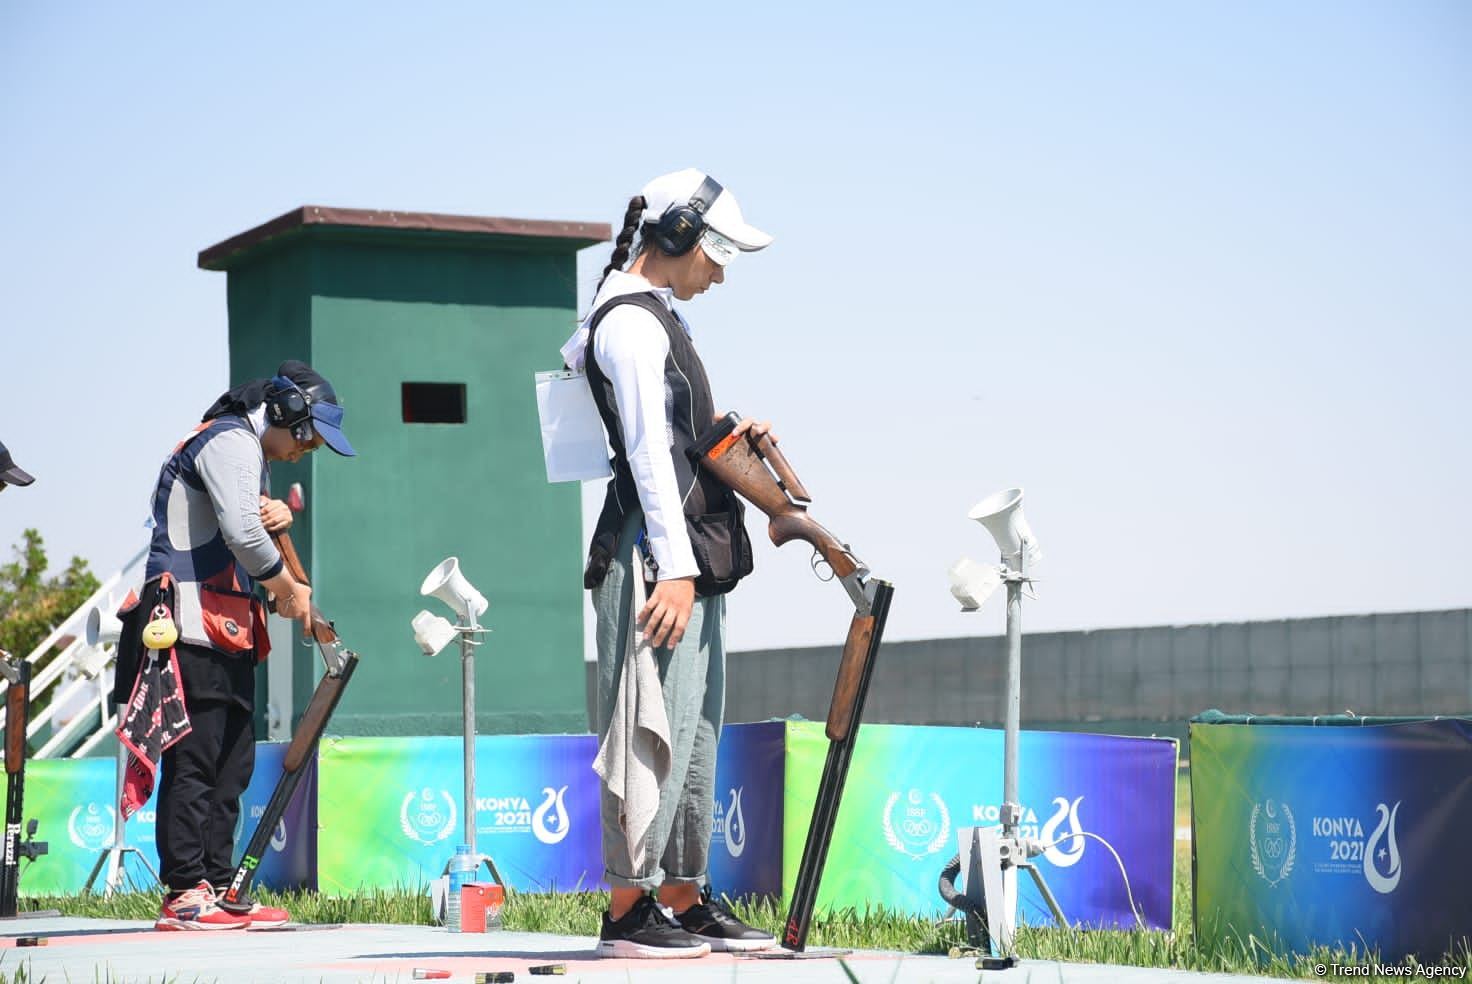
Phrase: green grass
[577,914]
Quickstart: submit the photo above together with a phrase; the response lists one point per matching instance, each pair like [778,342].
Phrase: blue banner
[291,857]
[1310,836]
[746,836]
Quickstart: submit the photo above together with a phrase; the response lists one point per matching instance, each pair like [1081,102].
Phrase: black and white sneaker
[646,932]
[710,920]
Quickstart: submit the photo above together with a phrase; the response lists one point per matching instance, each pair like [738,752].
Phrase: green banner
[72,800]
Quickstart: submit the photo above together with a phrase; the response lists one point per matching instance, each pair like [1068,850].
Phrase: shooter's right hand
[667,611]
[296,604]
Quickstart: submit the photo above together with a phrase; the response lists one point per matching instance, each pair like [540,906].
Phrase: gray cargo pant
[693,678]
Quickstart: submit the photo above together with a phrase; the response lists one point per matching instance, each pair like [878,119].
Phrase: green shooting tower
[430,327]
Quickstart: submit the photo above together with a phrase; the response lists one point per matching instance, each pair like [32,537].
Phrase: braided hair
[624,240]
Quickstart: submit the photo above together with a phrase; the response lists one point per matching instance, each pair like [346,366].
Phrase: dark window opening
[434,403]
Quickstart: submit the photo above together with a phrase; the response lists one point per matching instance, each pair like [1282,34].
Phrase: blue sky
[1195,275]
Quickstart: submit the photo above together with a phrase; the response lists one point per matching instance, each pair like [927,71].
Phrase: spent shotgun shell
[31,941]
[420,974]
[548,970]
[495,977]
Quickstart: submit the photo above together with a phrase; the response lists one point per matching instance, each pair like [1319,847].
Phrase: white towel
[634,759]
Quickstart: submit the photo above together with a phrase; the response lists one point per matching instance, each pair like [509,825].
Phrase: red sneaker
[193,909]
[260,916]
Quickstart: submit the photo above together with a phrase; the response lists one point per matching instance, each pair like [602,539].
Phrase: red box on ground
[480,906]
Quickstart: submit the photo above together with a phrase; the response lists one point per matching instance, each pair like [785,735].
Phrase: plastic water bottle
[462,870]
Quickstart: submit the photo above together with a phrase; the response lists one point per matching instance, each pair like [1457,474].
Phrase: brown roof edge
[217,256]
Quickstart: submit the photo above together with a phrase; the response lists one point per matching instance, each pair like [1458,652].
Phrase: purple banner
[291,858]
[746,842]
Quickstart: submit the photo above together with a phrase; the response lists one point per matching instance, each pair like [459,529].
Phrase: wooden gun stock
[322,630]
[796,524]
[841,712]
[15,726]
[742,465]
[735,462]
[289,557]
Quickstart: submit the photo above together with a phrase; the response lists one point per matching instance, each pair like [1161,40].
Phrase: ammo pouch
[722,548]
[234,621]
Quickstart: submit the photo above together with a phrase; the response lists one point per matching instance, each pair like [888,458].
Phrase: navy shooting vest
[714,516]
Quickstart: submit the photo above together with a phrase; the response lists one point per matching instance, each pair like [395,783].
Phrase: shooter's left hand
[758,428]
[275,515]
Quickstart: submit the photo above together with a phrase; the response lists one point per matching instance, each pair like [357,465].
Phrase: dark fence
[1138,681]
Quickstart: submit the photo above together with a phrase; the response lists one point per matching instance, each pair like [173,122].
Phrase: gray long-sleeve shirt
[233,471]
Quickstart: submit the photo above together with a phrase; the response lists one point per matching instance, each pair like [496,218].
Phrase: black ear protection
[678,230]
[288,406]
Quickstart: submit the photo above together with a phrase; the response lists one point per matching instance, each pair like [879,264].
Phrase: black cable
[977,933]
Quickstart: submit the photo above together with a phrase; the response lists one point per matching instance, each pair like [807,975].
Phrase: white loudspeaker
[93,662]
[103,627]
[447,584]
[1001,514]
[973,583]
[432,632]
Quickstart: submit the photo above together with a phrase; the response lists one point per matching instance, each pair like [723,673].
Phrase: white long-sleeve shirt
[631,348]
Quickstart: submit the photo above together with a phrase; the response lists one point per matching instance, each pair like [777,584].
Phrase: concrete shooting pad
[131,950]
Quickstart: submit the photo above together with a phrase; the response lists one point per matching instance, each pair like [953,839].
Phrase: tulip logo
[550,827]
[1375,855]
[735,825]
[1067,851]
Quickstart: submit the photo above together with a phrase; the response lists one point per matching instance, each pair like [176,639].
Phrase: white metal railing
[86,668]
[81,723]
[88,663]
[109,725]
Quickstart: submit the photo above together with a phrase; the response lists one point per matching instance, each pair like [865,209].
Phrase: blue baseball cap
[327,421]
[322,401]
[10,472]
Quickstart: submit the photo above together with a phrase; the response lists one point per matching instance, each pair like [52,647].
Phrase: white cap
[732,233]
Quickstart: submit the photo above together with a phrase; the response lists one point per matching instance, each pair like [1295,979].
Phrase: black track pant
[199,795]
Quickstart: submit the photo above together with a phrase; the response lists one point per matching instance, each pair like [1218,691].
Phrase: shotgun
[340,662]
[754,468]
[17,673]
